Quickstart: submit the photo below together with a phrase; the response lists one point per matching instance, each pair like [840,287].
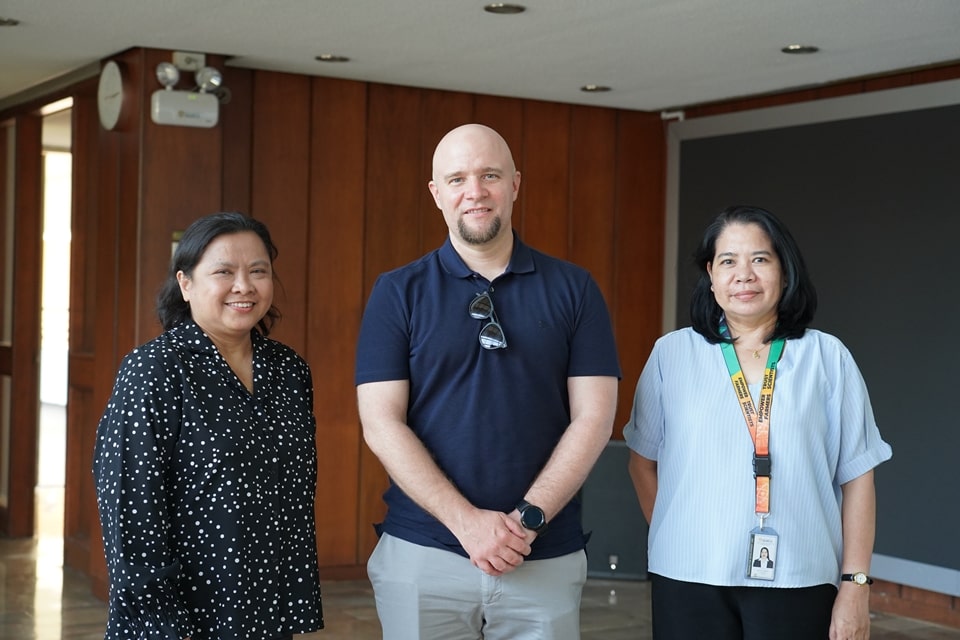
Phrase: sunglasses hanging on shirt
[491,334]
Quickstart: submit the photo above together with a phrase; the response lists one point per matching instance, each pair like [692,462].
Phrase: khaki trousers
[423,593]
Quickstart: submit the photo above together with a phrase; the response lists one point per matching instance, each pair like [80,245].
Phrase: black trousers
[694,611]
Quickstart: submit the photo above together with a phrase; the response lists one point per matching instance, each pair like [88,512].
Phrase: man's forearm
[593,403]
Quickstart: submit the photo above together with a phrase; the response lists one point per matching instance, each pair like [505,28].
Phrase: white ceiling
[654,54]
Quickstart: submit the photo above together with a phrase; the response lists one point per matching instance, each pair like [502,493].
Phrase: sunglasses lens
[481,307]
[491,337]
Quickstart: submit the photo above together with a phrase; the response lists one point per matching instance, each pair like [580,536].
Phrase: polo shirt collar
[521,259]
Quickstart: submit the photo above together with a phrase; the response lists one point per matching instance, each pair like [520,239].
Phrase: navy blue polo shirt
[491,418]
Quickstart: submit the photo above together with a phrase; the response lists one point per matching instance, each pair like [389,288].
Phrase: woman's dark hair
[798,303]
[172,309]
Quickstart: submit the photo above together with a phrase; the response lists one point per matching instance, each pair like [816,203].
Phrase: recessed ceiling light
[800,48]
[504,8]
[331,57]
[8,22]
[594,88]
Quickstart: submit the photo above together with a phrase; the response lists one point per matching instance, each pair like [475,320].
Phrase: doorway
[54,321]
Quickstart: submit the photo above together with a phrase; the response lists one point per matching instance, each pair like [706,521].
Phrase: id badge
[762,556]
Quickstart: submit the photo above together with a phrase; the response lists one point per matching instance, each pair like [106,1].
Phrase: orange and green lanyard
[758,420]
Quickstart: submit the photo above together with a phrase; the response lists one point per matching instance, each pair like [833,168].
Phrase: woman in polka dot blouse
[205,460]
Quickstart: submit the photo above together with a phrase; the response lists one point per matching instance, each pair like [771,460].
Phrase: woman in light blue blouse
[750,430]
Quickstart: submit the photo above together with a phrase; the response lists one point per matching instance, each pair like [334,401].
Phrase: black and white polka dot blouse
[206,493]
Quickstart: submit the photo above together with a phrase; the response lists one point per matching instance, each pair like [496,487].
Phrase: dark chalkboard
[874,202]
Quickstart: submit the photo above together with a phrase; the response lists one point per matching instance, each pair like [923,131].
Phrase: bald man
[487,384]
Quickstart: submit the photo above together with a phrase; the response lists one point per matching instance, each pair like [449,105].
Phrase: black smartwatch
[532,517]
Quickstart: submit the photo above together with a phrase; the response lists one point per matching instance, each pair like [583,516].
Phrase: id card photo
[763,555]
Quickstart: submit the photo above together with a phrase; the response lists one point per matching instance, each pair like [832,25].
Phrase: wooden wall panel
[638,247]
[120,196]
[236,119]
[592,201]
[335,304]
[394,179]
[544,222]
[83,548]
[27,216]
[281,191]
[94,329]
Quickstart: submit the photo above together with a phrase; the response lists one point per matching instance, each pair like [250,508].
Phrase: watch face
[532,518]
[860,578]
